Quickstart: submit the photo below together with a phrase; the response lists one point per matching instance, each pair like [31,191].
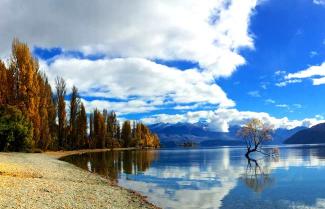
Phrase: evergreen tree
[16,131]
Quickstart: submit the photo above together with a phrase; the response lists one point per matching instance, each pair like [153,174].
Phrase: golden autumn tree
[5,90]
[111,124]
[99,129]
[61,112]
[47,114]
[126,134]
[26,88]
[74,105]
[117,134]
[144,137]
[81,127]
[91,131]
[138,142]
[138,136]
[25,70]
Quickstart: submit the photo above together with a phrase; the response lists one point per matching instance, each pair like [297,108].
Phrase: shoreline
[41,180]
[64,153]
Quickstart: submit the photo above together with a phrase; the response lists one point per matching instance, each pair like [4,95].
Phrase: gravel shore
[42,181]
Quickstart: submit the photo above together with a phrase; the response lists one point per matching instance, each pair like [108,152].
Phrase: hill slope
[313,135]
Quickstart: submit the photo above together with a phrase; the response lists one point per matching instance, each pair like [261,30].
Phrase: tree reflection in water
[112,163]
[258,177]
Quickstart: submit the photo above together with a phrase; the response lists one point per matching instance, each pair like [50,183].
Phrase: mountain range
[172,135]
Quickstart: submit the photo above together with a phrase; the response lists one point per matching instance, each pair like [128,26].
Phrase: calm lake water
[216,178]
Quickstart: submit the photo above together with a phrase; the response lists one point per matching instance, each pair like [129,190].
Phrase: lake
[216,178]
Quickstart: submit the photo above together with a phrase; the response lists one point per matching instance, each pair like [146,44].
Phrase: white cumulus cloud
[137,79]
[286,82]
[209,32]
[131,34]
[315,72]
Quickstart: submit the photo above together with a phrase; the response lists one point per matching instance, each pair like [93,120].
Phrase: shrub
[16,132]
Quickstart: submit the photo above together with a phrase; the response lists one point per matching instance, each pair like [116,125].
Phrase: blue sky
[286,35]
[183,61]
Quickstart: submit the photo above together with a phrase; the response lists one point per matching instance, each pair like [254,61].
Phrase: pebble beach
[40,180]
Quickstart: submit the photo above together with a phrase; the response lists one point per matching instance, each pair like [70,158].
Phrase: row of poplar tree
[31,116]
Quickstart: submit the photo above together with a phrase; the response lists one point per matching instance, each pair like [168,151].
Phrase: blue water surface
[218,177]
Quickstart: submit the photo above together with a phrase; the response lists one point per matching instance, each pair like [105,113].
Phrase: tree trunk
[250,151]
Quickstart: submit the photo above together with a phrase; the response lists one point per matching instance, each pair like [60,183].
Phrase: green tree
[16,132]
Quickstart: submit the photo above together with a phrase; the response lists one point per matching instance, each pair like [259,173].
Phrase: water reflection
[112,163]
[258,177]
[217,178]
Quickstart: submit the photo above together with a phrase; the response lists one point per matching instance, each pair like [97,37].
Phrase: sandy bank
[42,181]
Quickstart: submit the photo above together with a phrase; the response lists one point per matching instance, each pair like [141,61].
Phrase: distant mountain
[172,135]
[312,135]
[281,134]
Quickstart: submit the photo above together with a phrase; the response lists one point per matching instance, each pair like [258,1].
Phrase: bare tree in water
[254,133]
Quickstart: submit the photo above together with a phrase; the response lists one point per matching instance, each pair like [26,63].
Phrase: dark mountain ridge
[312,135]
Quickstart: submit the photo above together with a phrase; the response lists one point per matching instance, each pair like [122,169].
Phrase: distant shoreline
[40,180]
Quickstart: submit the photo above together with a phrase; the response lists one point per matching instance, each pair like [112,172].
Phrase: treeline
[32,117]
